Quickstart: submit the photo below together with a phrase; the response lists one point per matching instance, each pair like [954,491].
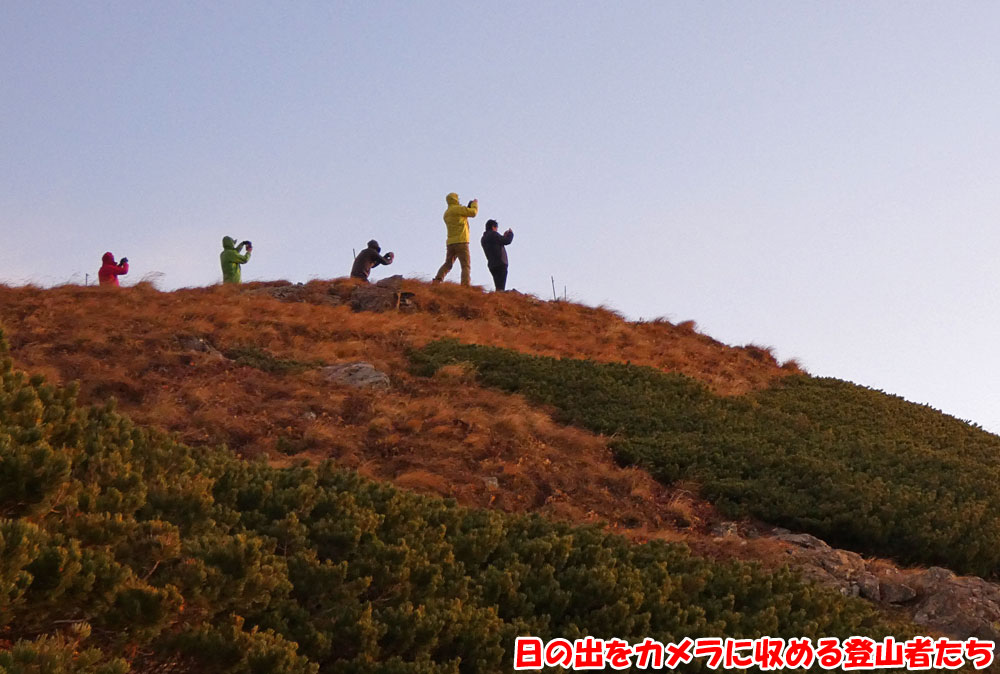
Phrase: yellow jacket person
[456,219]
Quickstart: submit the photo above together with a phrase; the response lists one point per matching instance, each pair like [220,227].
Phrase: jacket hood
[228,243]
[108,258]
[452,199]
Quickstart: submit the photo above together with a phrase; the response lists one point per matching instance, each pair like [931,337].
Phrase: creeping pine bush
[859,468]
[252,356]
[121,547]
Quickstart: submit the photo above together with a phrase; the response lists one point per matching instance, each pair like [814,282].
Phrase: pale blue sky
[817,176]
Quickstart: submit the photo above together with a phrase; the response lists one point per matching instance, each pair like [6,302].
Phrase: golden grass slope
[444,435]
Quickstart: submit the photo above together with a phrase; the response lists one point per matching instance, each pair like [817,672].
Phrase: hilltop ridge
[520,405]
[270,398]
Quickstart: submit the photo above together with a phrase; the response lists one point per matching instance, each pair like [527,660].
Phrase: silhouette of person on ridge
[456,218]
[109,272]
[495,247]
[232,259]
[369,258]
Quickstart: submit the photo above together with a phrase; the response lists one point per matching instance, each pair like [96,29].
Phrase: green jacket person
[232,259]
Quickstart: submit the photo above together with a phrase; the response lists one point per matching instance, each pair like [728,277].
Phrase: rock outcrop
[199,345]
[958,606]
[298,292]
[386,295]
[357,375]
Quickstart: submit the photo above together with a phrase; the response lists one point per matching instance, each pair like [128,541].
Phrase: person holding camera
[232,259]
[494,245]
[109,272]
[456,219]
[369,258]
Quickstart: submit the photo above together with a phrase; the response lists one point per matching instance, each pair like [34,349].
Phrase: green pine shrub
[856,467]
[118,544]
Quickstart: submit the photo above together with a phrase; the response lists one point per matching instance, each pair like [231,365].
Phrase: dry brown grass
[443,435]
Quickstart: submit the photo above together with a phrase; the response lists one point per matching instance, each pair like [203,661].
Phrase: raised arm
[232,257]
[470,210]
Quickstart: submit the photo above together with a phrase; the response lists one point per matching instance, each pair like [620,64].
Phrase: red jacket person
[109,272]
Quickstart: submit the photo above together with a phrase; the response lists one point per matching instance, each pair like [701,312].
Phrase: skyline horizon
[771,349]
[822,179]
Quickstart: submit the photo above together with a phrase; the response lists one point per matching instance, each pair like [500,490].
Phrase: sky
[819,177]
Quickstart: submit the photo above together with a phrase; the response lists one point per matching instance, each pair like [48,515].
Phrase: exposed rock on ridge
[958,606]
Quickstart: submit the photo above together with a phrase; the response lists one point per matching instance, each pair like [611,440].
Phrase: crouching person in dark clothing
[369,258]
[494,245]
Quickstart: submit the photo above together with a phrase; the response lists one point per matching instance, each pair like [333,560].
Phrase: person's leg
[499,277]
[449,260]
[466,262]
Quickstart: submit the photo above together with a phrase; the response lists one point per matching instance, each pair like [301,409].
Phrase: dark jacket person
[369,258]
[495,247]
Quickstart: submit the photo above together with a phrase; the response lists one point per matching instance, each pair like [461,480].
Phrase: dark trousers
[499,276]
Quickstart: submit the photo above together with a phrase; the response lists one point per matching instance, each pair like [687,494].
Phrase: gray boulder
[357,375]
[958,606]
[298,292]
[199,345]
[806,541]
[892,591]
[386,295]
[868,586]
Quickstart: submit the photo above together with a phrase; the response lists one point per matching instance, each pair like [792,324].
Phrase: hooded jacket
[367,259]
[494,245]
[109,272]
[231,260]
[456,217]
